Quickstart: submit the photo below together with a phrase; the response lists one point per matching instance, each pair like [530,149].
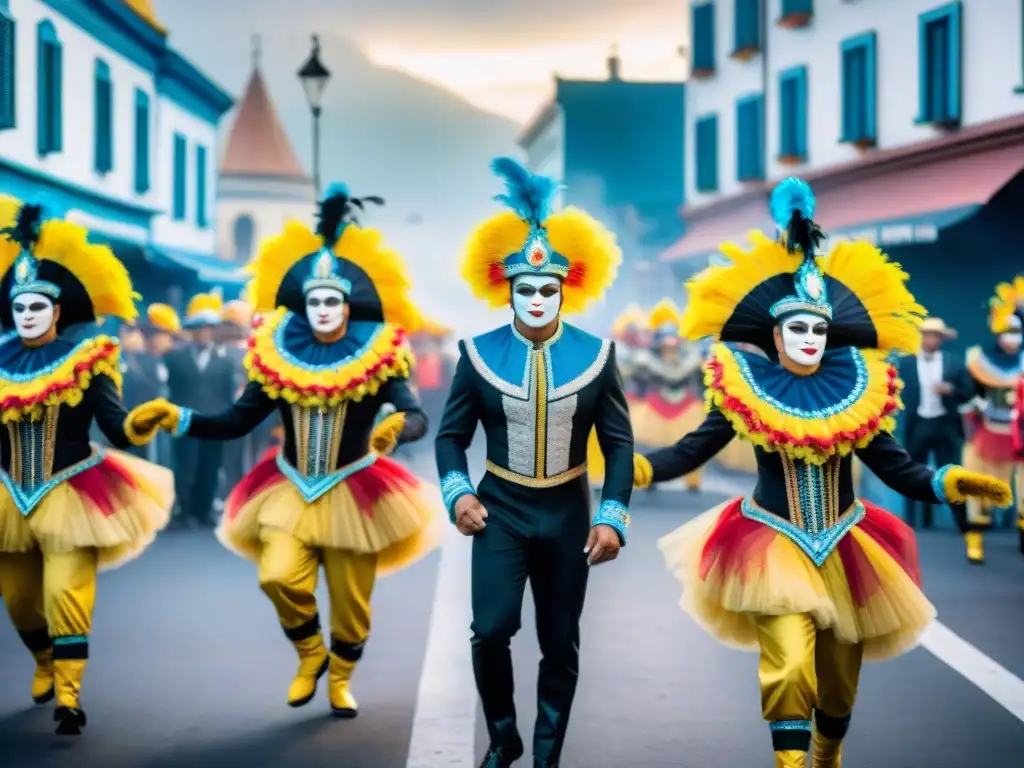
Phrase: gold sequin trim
[535,482]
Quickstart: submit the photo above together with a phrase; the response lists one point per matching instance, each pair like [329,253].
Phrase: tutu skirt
[382,509]
[867,591]
[115,507]
[658,422]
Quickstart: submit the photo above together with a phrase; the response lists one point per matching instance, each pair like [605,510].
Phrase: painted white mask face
[33,315]
[536,299]
[325,310]
[803,338]
[1010,341]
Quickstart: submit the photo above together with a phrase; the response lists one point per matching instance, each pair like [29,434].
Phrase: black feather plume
[25,231]
[338,209]
[804,234]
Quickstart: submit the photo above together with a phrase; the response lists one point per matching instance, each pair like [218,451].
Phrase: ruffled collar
[58,373]
[851,398]
[993,368]
[287,360]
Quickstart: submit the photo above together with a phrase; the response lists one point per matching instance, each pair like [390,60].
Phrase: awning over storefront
[892,197]
[208,269]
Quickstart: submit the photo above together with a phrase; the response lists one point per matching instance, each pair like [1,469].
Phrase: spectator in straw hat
[936,386]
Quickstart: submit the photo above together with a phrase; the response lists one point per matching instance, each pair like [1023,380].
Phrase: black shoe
[70,721]
[499,757]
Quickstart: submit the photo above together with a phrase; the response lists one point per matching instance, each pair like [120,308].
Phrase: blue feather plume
[790,195]
[337,189]
[527,194]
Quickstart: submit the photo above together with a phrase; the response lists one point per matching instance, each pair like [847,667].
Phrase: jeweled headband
[536,258]
[324,274]
[26,278]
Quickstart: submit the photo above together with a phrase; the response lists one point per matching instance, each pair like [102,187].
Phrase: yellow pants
[288,572]
[54,591]
[805,671]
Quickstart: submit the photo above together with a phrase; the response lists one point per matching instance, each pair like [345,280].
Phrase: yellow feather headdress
[65,244]
[870,303]
[632,317]
[530,239]
[208,306]
[164,317]
[665,314]
[1003,306]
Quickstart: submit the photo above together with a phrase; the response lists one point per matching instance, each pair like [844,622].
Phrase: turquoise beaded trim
[939,483]
[26,502]
[860,384]
[454,486]
[817,546]
[790,725]
[71,640]
[46,370]
[312,488]
[331,366]
[184,422]
[614,514]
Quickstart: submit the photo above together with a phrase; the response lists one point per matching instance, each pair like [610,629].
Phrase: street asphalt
[189,668]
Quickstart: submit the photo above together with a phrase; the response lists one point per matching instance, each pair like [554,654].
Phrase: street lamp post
[314,76]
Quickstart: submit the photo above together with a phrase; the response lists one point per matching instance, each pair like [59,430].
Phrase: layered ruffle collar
[994,368]
[287,360]
[58,373]
[850,399]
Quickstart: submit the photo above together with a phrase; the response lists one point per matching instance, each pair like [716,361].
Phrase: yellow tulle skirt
[868,590]
[382,509]
[658,423]
[115,507]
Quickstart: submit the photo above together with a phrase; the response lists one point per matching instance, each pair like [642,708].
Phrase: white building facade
[543,141]
[106,123]
[802,87]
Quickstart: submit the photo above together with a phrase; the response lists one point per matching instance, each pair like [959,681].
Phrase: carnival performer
[628,335]
[672,405]
[67,508]
[995,369]
[329,353]
[538,386]
[803,570]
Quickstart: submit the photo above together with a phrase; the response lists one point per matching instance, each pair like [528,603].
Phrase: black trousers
[197,465]
[935,438]
[537,536]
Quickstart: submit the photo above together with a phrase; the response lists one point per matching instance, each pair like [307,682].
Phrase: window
[201,186]
[859,87]
[747,34]
[750,138]
[180,176]
[243,235]
[793,115]
[796,13]
[49,94]
[8,62]
[703,40]
[939,65]
[104,109]
[706,145]
[141,142]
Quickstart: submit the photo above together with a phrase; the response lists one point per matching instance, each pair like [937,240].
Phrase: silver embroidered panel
[521,420]
[32,454]
[559,436]
[317,435]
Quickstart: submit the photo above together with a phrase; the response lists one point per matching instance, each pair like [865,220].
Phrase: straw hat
[937,325]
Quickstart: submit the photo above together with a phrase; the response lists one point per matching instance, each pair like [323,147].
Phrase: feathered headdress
[340,254]
[163,317]
[1003,307]
[632,317]
[529,239]
[665,315]
[53,257]
[864,294]
[204,309]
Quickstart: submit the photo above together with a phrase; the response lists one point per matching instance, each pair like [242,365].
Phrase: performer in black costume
[538,386]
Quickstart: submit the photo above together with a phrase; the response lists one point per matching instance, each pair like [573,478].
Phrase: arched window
[243,237]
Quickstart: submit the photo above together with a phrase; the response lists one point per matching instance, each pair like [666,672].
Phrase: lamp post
[314,76]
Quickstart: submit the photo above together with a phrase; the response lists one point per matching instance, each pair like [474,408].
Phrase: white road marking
[444,726]
[1004,687]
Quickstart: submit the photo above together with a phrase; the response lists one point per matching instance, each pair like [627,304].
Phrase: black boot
[70,722]
[500,757]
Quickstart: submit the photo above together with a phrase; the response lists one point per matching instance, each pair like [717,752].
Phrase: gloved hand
[385,435]
[643,472]
[144,420]
[960,484]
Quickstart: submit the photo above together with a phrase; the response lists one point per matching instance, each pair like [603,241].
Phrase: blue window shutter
[793,113]
[704,38]
[940,64]
[104,111]
[8,75]
[859,88]
[790,7]
[57,95]
[44,35]
[180,176]
[141,142]
[201,186]
[750,159]
[747,21]
[954,64]
[707,153]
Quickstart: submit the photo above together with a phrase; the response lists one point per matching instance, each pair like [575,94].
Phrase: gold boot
[312,666]
[67,678]
[343,703]
[790,758]
[828,753]
[975,542]
[42,681]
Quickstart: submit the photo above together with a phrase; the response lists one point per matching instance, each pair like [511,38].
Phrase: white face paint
[803,338]
[1010,341]
[33,315]
[536,299]
[325,310]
